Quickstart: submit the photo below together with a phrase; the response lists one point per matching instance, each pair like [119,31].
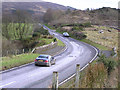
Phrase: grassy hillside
[102,16]
[108,38]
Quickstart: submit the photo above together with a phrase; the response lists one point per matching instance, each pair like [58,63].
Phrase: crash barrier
[45,47]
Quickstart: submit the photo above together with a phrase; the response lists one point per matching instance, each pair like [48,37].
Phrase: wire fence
[76,81]
[33,50]
[93,76]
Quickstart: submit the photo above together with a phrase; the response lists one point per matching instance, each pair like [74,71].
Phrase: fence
[45,47]
[15,52]
[94,76]
[75,82]
[35,50]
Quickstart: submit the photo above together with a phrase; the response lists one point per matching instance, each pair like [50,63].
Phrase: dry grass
[108,39]
[95,76]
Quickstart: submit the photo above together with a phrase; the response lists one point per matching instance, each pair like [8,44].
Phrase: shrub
[29,42]
[44,36]
[9,47]
[35,34]
[41,43]
[77,28]
[54,39]
[95,76]
[40,31]
[49,37]
[113,52]
[87,24]
[109,63]
[78,35]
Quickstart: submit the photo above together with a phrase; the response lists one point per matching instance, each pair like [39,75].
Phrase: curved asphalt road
[32,76]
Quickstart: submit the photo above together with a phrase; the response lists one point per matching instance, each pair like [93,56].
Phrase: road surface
[32,76]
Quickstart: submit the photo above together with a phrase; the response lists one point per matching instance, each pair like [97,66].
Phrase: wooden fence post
[16,52]
[77,76]
[55,80]
[7,53]
[23,51]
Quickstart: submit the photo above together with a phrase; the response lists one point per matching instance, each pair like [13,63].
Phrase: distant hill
[102,16]
[36,7]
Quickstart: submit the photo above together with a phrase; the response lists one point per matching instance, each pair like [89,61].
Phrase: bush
[29,42]
[35,34]
[40,31]
[9,47]
[41,43]
[78,35]
[95,76]
[49,37]
[87,24]
[109,63]
[78,28]
[113,52]
[54,39]
[44,36]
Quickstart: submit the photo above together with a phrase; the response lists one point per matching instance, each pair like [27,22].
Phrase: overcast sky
[83,4]
[79,4]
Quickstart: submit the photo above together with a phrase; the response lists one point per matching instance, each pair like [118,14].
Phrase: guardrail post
[55,80]
[77,76]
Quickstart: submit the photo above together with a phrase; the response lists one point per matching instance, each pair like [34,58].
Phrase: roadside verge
[49,51]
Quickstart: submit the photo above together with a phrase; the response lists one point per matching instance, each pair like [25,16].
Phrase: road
[32,76]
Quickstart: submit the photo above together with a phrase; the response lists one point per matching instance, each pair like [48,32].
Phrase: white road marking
[7,84]
[82,68]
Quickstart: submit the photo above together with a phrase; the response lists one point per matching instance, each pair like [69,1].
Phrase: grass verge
[13,61]
[18,60]
[47,41]
[60,43]
[100,47]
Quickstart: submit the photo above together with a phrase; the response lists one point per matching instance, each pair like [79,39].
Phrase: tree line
[20,31]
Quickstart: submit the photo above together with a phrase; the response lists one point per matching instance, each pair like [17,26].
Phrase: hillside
[36,8]
[103,16]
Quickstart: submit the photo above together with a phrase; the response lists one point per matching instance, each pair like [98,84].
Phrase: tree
[17,25]
[23,19]
[6,19]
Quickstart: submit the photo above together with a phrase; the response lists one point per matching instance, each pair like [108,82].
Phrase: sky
[84,4]
[78,4]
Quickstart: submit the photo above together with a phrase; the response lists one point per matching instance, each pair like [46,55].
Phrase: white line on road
[82,68]
[7,84]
